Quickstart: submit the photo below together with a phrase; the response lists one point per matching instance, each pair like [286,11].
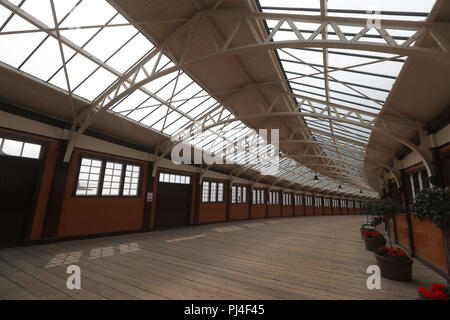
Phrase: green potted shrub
[433,204]
[394,263]
[388,209]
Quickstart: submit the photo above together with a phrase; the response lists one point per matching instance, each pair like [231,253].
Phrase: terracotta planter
[400,270]
[373,244]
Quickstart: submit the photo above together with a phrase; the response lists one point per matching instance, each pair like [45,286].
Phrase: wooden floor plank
[278,258]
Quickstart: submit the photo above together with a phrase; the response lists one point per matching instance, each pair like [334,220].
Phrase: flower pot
[373,244]
[400,270]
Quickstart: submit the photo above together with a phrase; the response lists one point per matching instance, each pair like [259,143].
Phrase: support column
[148,205]
[198,192]
[250,201]
[56,198]
[228,199]
[313,204]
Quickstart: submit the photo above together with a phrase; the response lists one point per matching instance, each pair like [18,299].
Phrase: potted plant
[433,204]
[394,263]
[374,240]
[367,226]
[438,292]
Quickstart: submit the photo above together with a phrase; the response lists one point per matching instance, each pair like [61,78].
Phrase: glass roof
[98,45]
[354,79]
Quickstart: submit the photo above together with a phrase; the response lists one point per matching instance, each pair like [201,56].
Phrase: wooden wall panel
[429,243]
[309,210]
[238,211]
[299,210]
[259,211]
[288,211]
[402,230]
[212,212]
[274,210]
[319,210]
[86,215]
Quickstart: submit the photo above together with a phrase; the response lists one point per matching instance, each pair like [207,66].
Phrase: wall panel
[92,215]
[429,243]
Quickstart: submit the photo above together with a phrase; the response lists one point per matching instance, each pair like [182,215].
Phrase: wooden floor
[281,258]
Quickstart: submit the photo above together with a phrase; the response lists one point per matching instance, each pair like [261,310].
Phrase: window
[309,200]
[112,179]
[109,175]
[343,204]
[174,178]
[318,202]
[238,194]
[220,192]
[350,204]
[326,202]
[205,191]
[258,196]
[416,181]
[212,191]
[89,177]
[298,199]
[274,197]
[357,204]
[16,148]
[287,199]
[130,187]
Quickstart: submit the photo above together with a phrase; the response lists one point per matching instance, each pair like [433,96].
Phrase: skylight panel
[88,13]
[63,8]
[131,101]
[46,60]
[41,10]
[291,6]
[133,51]
[109,40]
[370,80]
[385,6]
[96,84]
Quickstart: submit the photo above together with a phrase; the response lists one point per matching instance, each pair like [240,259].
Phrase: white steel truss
[155,92]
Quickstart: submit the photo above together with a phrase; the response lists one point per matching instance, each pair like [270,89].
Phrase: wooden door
[18,187]
[173,204]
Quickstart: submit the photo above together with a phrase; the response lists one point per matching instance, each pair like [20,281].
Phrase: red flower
[437,287]
[440,295]
[421,290]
